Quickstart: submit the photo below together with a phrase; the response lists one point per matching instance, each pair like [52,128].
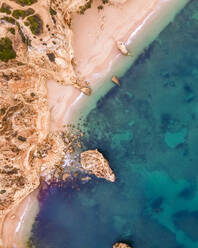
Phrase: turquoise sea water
[148,130]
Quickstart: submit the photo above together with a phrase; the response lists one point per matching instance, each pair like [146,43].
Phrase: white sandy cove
[137,23]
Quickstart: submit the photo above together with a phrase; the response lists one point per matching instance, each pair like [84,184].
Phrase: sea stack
[121,245]
[93,162]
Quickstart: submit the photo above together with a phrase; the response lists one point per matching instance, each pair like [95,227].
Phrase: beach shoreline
[68,105]
[137,39]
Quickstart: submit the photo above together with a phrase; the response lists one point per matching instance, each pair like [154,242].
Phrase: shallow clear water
[148,130]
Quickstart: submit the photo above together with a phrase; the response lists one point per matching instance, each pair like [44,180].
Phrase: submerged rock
[121,245]
[93,162]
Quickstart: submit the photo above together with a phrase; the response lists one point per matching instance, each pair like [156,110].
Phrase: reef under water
[148,130]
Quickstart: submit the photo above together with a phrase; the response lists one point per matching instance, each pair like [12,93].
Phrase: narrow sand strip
[137,22]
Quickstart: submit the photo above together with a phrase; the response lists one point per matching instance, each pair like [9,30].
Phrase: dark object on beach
[51,57]
[36,24]
[21,138]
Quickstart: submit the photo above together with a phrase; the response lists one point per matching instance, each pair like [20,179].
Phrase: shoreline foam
[75,104]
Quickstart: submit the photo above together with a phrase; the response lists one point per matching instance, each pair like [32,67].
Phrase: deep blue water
[148,130]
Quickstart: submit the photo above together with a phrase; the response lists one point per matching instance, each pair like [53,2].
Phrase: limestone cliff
[42,38]
[35,45]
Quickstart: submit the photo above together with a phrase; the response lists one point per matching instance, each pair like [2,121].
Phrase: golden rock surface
[115,80]
[122,48]
[28,150]
[93,162]
[50,51]
[121,245]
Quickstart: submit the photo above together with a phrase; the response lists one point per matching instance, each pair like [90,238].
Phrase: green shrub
[5,9]
[52,11]
[17,13]
[36,24]
[85,7]
[25,2]
[12,30]
[6,50]
[8,19]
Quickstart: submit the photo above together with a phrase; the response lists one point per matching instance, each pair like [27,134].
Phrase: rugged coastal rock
[27,148]
[121,245]
[115,80]
[122,48]
[41,37]
[35,45]
[93,162]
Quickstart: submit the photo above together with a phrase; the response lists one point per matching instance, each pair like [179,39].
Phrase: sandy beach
[137,23]
[18,223]
[97,58]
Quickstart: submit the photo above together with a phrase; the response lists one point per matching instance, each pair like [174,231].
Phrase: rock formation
[35,45]
[93,162]
[121,245]
[115,80]
[41,37]
[122,48]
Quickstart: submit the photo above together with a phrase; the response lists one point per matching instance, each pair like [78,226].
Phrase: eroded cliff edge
[35,46]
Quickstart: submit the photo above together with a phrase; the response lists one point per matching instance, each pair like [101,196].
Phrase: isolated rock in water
[122,48]
[121,245]
[115,80]
[93,162]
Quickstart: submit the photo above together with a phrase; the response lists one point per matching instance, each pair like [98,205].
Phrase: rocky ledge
[93,162]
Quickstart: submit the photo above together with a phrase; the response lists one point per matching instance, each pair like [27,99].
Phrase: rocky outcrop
[93,162]
[35,45]
[27,148]
[121,245]
[115,80]
[122,48]
[42,38]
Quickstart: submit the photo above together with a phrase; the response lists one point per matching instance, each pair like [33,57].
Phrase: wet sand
[18,223]
[95,34]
